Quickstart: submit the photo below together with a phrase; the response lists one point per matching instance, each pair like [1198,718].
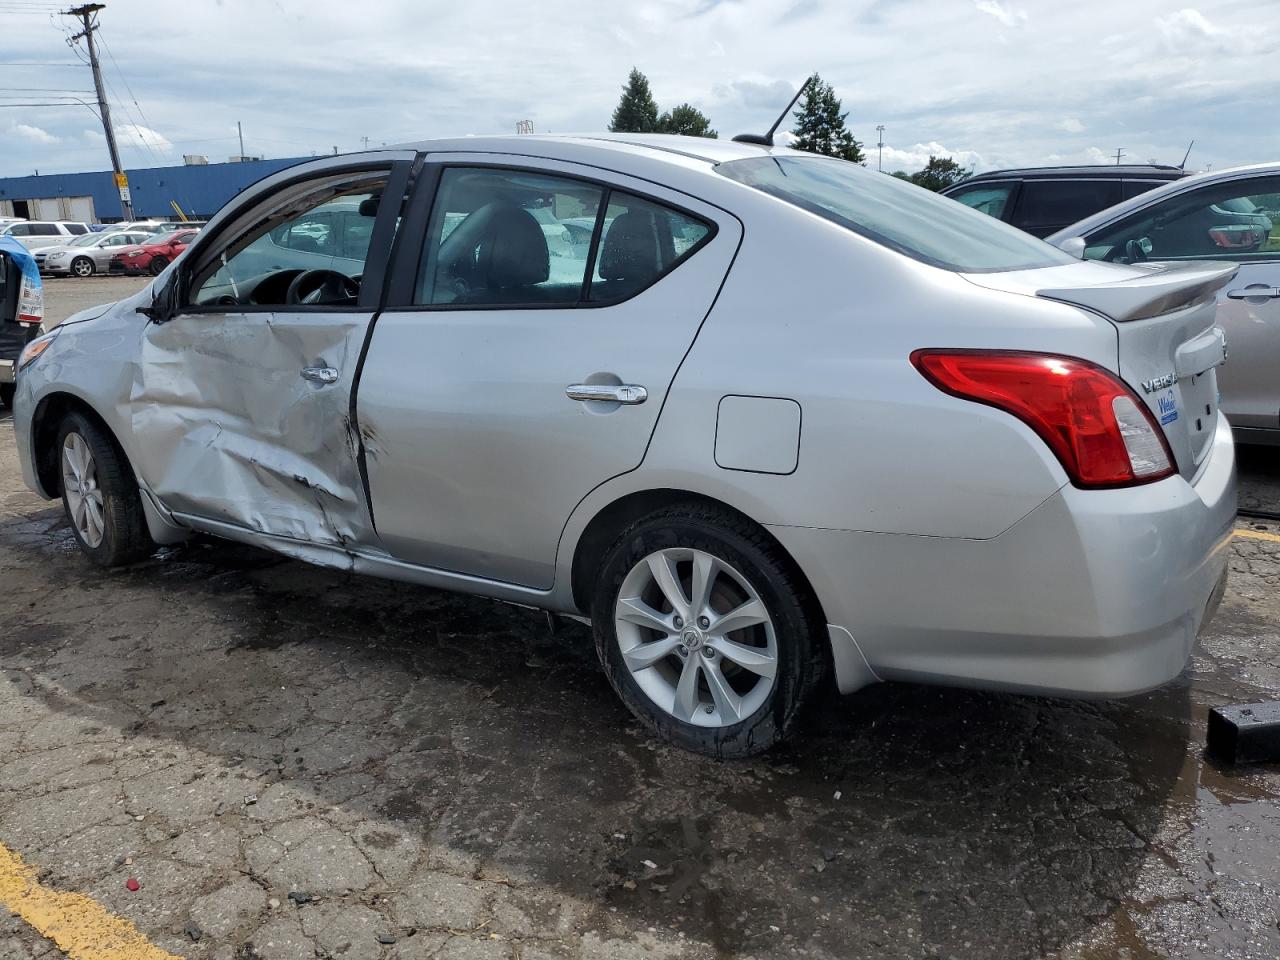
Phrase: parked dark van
[1043,200]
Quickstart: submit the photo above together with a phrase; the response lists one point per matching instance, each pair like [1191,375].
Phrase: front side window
[309,252]
[1226,221]
[44,230]
[989,198]
[520,238]
[901,216]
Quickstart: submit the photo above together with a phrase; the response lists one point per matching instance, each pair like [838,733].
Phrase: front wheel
[157,266]
[706,631]
[82,267]
[100,495]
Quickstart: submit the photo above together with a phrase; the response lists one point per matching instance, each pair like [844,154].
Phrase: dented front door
[242,399]
[246,418]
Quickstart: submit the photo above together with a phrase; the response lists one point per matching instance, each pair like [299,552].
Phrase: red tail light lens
[1097,427]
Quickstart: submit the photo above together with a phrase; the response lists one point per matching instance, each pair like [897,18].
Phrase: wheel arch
[609,521]
[45,422]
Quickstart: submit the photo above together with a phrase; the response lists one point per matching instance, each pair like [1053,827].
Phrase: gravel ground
[230,728]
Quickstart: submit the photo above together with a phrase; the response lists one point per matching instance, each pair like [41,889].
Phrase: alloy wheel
[696,637]
[82,267]
[84,496]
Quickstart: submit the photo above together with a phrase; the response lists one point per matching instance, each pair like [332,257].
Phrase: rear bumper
[1095,593]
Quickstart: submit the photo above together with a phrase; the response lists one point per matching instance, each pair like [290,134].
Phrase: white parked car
[34,234]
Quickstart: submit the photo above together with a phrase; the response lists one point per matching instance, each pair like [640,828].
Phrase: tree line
[820,127]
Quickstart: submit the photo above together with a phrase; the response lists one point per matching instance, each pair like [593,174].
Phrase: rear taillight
[1095,425]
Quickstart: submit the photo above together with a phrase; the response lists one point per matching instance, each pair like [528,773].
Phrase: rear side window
[76,228]
[989,198]
[1049,205]
[901,216]
[1133,188]
[520,238]
[42,230]
[641,240]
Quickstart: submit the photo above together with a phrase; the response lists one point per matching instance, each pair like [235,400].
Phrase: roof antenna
[1183,164]
[767,139]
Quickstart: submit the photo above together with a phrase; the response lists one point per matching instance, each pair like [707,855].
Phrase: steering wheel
[323,286]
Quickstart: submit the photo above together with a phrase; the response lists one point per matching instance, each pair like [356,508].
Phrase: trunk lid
[1168,342]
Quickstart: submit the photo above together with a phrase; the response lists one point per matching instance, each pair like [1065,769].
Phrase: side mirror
[1073,246]
[164,303]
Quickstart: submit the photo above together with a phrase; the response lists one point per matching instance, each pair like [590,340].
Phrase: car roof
[1094,171]
[698,148]
[1192,182]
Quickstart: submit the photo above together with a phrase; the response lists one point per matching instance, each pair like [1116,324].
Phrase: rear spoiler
[1168,287]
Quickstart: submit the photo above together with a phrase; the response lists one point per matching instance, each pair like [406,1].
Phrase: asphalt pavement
[290,762]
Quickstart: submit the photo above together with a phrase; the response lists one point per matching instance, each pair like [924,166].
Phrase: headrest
[633,249]
[512,250]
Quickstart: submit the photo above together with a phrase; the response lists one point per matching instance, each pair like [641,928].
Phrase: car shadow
[903,821]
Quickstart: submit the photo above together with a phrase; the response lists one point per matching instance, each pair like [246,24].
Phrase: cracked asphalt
[295,763]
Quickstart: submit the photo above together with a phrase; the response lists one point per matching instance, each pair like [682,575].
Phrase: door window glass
[989,198]
[508,237]
[640,241]
[76,228]
[1054,204]
[311,253]
[1228,221]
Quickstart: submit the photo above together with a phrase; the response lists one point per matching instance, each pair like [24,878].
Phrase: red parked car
[153,254]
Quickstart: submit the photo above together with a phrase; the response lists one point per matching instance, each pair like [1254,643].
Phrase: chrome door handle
[320,374]
[1256,292]
[615,393]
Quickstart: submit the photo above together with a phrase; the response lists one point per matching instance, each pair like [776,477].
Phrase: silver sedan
[736,427]
[87,255]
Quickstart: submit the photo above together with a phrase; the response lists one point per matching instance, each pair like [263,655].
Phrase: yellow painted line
[82,928]
[1258,535]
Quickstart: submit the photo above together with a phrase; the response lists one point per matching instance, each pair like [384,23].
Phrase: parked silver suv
[34,234]
[738,428]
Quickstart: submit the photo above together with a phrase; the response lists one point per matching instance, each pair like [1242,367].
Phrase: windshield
[901,216]
[154,238]
[88,240]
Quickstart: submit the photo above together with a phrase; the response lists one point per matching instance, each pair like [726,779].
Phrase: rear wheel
[157,265]
[100,495]
[706,632]
[82,267]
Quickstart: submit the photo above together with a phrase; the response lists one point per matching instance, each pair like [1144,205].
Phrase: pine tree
[636,111]
[820,125]
[688,120]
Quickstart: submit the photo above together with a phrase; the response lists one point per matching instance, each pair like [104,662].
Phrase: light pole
[880,148]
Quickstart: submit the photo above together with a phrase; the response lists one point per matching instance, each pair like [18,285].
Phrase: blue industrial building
[198,188]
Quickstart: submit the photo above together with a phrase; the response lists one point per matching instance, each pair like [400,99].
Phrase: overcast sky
[991,82]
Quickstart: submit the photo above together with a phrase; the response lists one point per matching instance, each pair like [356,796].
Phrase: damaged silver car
[765,418]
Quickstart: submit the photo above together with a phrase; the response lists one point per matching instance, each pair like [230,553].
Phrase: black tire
[798,625]
[82,267]
[6,395]
[157,265]
[125,536]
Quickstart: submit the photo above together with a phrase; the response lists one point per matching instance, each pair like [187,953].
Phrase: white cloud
[147,139]
[1005,13]
[33,134]
[913,158]
[1071,125]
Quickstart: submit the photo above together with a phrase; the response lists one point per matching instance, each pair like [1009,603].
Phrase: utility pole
[240,134]
[1119,154]
[86,14]
[880,148]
